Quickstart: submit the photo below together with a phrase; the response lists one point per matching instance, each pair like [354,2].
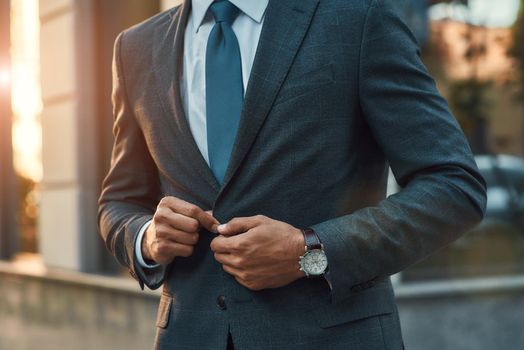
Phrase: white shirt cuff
[138,247]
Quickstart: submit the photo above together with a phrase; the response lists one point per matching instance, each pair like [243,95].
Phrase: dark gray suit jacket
[337,92]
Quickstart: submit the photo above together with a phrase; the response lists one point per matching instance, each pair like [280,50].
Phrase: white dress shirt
[247,27]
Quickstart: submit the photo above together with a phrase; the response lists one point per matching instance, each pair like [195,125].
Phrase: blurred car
[496,246]
[504,176]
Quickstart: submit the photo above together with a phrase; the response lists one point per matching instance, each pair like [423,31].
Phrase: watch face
[314,262]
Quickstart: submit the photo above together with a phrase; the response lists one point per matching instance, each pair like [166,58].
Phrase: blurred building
[470,52]
[454,39]
[62,296]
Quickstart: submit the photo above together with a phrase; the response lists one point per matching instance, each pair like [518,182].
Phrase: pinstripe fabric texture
[337,92]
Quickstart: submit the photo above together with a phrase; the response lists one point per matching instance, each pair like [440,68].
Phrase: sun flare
[25,85]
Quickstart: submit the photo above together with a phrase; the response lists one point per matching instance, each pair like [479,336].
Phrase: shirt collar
[253,8]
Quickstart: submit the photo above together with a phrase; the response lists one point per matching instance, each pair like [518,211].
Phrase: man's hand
[259,252]
[174,230]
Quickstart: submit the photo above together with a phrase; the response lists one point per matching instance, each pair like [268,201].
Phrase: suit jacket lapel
[285,26]
[168,59]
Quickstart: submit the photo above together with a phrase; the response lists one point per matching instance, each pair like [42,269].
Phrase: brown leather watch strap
[311,239]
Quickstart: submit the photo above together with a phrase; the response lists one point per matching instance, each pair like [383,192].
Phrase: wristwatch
[314,261]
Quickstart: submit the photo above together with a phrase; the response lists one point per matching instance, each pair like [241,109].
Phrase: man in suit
[248,176]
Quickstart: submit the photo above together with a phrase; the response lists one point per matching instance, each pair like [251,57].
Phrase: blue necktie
[224,88]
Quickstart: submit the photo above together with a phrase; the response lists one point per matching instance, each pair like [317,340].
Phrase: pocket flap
[164,310]
[370,302]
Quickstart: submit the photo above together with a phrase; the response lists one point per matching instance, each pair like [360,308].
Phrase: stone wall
[476,314]
[53,309]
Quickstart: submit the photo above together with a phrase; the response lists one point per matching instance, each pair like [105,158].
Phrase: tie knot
[224,11]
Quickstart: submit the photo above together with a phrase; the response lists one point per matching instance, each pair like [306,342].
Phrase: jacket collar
[253,8]
[285,26]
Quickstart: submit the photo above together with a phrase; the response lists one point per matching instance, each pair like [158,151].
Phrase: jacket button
[221,302]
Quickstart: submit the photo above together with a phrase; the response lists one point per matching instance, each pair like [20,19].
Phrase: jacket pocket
[164,310]
[371,302]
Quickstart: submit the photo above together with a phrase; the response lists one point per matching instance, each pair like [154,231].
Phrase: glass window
[474,55]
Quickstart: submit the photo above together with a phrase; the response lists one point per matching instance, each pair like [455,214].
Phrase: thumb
[239,225]
[208,221]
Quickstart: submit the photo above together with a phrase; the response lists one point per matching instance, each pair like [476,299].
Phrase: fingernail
[222,227]
[214,228]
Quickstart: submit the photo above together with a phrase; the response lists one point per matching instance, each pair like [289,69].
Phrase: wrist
[299,248]
[314,260]
[144,247]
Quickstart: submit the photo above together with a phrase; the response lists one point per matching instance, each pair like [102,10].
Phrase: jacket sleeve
[131,189]
[442,195]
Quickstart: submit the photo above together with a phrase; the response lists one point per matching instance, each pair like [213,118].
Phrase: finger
[183,249]
[240,225]
[233,271]
[184,223]
[241,277]
[214,225]
[208,222]
[166,251]
[222,244]
[167,232]
[229,259]
[184,237]
[166,217]
[180,206]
